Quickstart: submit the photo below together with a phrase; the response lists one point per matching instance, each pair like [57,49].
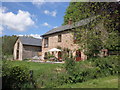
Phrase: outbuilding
[27,48]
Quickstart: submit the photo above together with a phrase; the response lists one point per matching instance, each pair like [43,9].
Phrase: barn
[27,48]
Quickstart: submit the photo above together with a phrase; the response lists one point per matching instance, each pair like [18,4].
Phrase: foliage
[66,52]
[103,82]
[92,69]
[8,44]
[69,73]
[7,57]
[102,32]
[70,65]
[81,10]
[44,74]
[108,65]
[26,59]
[15,77]
[49,56]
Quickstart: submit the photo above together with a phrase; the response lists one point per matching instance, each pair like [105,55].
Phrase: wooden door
[59,55]
[78,55]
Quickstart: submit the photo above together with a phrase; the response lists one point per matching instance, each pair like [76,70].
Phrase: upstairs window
[18,45]
[46,42]
[75,37]
[59,38]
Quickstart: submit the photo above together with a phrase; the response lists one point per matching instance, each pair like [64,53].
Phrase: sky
[31,18]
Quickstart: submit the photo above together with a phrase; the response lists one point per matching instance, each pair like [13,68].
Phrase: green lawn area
[46,73]
[37,67]
[42,72]
[106,82]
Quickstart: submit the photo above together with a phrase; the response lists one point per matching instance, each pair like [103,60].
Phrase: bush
[49,56]
[15,77]
[70,65]
[108,65]
[91,69]
[26,59]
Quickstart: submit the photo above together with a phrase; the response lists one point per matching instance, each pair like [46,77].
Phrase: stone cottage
[27,48]
[64,38]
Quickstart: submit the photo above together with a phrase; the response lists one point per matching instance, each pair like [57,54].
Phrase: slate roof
[67,27]
[30,41]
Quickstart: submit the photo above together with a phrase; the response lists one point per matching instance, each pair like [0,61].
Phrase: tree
[8,44]
[103,32]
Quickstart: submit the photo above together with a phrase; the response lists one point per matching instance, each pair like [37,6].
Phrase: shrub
[26,59]
[70,65]
[15,77]
[108,65]
[91,69]
[49,56]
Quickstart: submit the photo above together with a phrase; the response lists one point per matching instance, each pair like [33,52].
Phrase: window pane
[59,38]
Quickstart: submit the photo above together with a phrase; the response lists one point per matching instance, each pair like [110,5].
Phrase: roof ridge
[31,41]
[67,26]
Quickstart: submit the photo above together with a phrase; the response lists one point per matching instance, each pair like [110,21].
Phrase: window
[46,42]
[18,45]
[17,52]
[59,38]
[105,52]
[75,37]
[52,53]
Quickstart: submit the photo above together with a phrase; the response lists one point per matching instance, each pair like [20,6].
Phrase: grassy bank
[92,73]
[43,73]
[106,82]
[37,67]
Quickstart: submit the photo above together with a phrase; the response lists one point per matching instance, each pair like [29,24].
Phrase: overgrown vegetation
[70,65]
[44,75]
[15,76]
[104,82]
[54,75]
[102,32]
[49,56]
[92,69]
[8,44]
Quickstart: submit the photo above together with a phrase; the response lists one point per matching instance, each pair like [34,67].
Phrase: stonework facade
[67,41]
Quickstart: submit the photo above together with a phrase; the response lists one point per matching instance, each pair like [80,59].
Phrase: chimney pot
[70,21]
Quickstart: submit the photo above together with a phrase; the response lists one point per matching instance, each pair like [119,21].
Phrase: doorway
[59,55]
[78,55]
[17,55]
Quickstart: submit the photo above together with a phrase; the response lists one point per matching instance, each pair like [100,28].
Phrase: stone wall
[29,54]
[30,51]
[25,51]
[20,50]
[67,42]
[32,48]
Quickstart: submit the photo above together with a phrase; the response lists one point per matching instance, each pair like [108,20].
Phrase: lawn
[38,68]
[42,72]
[48,75]
[106,82]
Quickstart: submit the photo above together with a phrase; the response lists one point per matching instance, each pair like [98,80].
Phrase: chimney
[70,21]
